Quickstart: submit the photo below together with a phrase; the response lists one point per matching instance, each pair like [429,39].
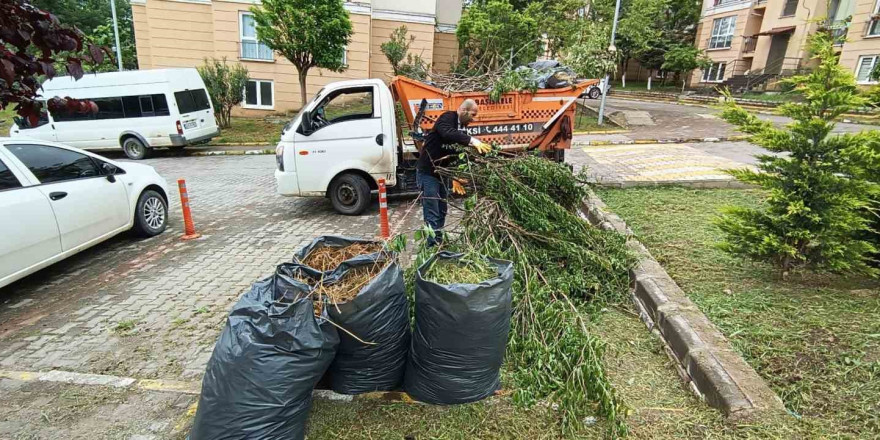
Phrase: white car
[57,200]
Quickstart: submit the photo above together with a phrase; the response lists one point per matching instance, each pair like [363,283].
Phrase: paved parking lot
[152,309]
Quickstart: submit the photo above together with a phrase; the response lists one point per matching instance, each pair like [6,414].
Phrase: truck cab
[339,145]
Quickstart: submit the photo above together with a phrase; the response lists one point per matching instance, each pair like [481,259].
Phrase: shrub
[817,195]
[226,85]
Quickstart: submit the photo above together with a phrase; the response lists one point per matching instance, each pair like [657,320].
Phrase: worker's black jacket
[439,149]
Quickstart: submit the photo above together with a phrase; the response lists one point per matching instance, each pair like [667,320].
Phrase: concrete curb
[703,356]
[665,141]
[697,184]
[231,152]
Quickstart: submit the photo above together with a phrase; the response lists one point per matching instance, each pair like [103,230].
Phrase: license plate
[483,130]
[190,124]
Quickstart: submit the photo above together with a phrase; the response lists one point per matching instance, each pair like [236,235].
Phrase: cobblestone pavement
[153,308]
[663,163]
[675,121]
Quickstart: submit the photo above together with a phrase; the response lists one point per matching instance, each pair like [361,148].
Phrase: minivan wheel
[151,214]
[594,93]
[350,194]
[135,149]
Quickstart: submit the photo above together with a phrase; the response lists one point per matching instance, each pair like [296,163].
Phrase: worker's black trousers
[433,204]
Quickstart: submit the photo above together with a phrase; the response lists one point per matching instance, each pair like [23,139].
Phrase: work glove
[457,187]
[481,146]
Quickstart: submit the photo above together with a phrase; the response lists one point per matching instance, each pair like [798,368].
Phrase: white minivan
[137,111]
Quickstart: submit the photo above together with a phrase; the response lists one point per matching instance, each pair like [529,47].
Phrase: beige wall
[181,34]
[729,55]
[381,29]
[858,43]
[445,51]
[448,11]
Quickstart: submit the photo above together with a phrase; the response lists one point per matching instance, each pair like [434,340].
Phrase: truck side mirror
[306,127]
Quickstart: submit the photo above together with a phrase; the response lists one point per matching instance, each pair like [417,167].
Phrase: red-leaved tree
[32,41]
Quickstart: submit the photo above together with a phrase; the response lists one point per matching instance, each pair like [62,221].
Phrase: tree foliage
[94,19]
[103,36]
[683,60]
[396,50]
[493,34]
[818,194]
[309,33]
[31,42]
[589,54]
[225,85]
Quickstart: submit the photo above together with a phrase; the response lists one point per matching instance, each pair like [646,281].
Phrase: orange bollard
[188,226]
[383,210]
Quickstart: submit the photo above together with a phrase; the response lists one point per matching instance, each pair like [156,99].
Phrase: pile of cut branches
[497,82]
[525,210]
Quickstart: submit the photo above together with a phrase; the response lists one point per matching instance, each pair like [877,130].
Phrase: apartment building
[182,33]
[759,40]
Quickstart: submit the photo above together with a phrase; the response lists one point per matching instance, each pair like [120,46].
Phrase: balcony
[750,43]
[254,50]
[838,32]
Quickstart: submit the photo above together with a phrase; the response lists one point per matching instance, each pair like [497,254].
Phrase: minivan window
[52,164]
[189,101]
[118,107]
[7,179]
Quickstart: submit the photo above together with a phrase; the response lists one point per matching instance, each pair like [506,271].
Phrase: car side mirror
[306,126]
[110,171]
[19,121]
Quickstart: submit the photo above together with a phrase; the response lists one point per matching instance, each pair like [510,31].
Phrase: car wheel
[350,194]
[135,149]
[594,93]
[151,214]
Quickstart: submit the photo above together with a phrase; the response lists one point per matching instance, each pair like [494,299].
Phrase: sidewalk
[695,164]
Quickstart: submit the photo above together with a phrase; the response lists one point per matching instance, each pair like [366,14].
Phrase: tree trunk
[650,74]
[303,74]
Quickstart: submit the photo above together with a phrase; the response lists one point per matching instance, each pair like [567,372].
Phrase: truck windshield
[296,116]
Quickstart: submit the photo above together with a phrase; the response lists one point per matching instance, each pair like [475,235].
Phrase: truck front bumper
[287,183]
[179,140]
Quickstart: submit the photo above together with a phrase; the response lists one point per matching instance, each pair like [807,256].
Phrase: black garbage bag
[272,352]
[328,241]
[460,336]
[378,315]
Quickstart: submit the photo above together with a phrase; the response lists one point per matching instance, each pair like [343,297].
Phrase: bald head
[467,111]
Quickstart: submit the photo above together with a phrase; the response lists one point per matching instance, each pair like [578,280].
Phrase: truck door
[347,132]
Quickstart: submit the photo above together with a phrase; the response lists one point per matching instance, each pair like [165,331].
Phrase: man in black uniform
[439,150]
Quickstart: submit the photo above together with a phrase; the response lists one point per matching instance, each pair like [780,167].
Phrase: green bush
[817,195]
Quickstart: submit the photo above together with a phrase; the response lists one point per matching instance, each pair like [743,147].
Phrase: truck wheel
[135,149]
[594,93]
[350,194]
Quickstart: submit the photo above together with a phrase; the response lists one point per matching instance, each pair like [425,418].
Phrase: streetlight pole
[116,34]
[612,49]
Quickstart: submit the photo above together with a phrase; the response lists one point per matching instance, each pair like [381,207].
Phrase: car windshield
[296,116]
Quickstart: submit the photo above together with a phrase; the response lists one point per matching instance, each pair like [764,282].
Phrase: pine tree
[815,211]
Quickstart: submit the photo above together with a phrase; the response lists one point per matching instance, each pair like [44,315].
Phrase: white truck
[348,136]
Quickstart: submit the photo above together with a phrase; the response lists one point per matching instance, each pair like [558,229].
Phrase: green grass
[6,116]
[248,130]
[778,97]
[814,337]
[588,122]
[125,326]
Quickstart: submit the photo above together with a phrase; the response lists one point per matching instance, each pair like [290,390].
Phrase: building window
[865,66]
[251,48]
[874,24]
[715,73]
[722,32]
[790,8]
[259,94]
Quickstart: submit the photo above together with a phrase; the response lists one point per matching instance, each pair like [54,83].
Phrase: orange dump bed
[540,120]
